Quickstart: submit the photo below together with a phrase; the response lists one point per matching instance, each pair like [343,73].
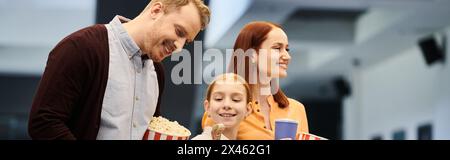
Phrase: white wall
[30,29]
[399,93]
[442,108]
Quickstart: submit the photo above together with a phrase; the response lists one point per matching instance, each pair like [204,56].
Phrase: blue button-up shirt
[132,89]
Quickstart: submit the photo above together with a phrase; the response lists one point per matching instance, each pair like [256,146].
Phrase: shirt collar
[128,44]
[270,100]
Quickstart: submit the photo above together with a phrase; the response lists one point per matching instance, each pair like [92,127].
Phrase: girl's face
[273,57]
[228,103]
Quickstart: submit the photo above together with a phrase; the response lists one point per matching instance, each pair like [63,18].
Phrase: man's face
[171,31]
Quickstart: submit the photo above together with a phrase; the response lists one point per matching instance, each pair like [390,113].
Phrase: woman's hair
[229,76]
[250,38]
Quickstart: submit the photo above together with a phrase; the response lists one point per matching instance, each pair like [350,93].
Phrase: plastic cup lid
[286,120]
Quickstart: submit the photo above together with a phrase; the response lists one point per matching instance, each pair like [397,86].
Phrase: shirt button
[138,71]
[265,127]
[256,102]
[129,57]
[257,110]
[137,98]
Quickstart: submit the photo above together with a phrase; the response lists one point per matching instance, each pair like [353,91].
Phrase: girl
[227,103]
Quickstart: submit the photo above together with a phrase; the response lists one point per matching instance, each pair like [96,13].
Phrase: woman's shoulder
[294,104]
[299,112]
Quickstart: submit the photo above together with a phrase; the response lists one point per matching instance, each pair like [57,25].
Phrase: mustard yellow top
[253,127]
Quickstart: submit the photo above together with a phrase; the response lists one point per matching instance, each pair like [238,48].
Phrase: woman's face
[228,103]
[273,57]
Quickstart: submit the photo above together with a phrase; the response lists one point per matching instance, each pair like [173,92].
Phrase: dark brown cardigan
[68,101]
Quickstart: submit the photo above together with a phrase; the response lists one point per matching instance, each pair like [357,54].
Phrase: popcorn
[161,128]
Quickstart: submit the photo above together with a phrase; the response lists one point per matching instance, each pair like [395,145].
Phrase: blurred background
[364,69]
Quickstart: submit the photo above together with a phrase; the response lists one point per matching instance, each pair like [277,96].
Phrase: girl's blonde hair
[229,76]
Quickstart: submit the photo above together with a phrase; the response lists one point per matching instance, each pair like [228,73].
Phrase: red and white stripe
[307,136]
[152,135]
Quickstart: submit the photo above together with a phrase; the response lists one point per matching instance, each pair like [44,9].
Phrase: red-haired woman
[264,48]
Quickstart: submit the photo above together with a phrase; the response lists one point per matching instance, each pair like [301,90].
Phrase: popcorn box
[308,136]
[154,135]
[160,128]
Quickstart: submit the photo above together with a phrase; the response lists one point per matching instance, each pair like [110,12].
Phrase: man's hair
[170,5]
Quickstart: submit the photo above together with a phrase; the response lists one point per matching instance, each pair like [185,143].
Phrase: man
[106,81]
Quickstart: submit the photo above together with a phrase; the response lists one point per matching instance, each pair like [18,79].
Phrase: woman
[264,46]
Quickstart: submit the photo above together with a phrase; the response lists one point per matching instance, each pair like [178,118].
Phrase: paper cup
[154,135]
[308,136]
[285,129]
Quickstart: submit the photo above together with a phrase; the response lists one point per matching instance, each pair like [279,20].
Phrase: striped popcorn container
[154,135]
[308,136]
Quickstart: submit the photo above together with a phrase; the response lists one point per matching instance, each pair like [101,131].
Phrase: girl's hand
[217,130]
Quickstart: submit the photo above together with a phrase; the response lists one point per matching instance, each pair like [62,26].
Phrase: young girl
[227,103]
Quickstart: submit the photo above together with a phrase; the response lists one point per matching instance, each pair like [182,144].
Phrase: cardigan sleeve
[58,91]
